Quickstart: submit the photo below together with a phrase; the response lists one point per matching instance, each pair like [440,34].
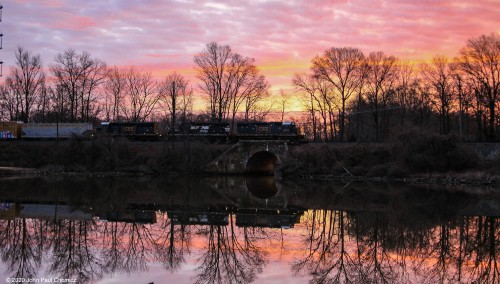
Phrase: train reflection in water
[260,187]
[217,231]
[244,217]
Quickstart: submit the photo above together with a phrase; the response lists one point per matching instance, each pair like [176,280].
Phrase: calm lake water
[253,230]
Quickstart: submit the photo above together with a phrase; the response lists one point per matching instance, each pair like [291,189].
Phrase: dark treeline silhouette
[347,95]
[350,96]
[80,88]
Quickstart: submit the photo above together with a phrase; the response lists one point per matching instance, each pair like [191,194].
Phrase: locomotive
[130,130]
[221,132]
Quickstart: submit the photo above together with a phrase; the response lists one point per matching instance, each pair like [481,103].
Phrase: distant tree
[175,99]
[253,105]
[405,88]
[10,100]
[480,60]
[114,91]
[211,65]
[141,95]
[27,81]
[439,76]
[94,75]
[283,104]
[322,101]
[77,77]
[304,84]
[380,83]
[229,80]
[343,69]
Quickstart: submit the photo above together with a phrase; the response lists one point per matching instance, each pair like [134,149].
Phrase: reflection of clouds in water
[262,187]
[395,233]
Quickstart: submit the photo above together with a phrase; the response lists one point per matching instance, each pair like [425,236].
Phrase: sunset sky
[283,36]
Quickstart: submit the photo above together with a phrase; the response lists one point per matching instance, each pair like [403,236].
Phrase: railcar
[267,131]
[50,131]
[130,130]
[10,130]
[209,129]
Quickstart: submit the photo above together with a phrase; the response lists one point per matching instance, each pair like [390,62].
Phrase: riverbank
[410,159]
[415,158]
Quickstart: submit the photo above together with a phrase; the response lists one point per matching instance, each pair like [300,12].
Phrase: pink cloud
[283,36]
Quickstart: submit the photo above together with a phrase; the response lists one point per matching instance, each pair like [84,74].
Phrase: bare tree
[283,104]
[114,90]
[380,81]
[246,83]
[228,79]
[405,88]
[176,99]
[10,100]
[94,75]
[141,95]
[479,59]
[29,79]
[254,103]
[211,68]
[77,77]
[343,69]
[305,85]
[439,76]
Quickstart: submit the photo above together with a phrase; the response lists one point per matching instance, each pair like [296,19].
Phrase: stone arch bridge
[250,157]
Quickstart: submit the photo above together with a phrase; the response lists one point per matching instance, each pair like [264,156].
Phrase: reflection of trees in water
[227,259]
[127,247]
[377,242]
[328,258]
[462,250]
[375,248]
[340,247]
[86,249]
[172,243]
[73,253]
[486,244]
[22,243]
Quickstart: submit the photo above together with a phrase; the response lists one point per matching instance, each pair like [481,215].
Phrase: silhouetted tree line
[348,96]
[81,88]
[351,96]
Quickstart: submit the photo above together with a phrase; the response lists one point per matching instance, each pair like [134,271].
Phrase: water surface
[253,230]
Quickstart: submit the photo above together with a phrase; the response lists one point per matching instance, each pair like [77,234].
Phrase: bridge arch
[262,162]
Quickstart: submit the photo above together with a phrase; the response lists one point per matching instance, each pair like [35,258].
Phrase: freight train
[149,131]
[13,130]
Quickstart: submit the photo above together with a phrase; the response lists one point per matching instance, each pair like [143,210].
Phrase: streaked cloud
[282,36]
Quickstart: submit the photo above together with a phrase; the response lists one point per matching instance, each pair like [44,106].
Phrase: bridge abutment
[250,157]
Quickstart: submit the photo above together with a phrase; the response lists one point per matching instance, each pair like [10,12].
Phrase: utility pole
[1,42]
[174,95]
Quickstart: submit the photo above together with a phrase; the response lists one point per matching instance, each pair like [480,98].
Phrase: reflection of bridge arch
[262,187]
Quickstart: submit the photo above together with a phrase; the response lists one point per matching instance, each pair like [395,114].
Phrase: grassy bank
[106,155]
[414,156]
[410,155]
